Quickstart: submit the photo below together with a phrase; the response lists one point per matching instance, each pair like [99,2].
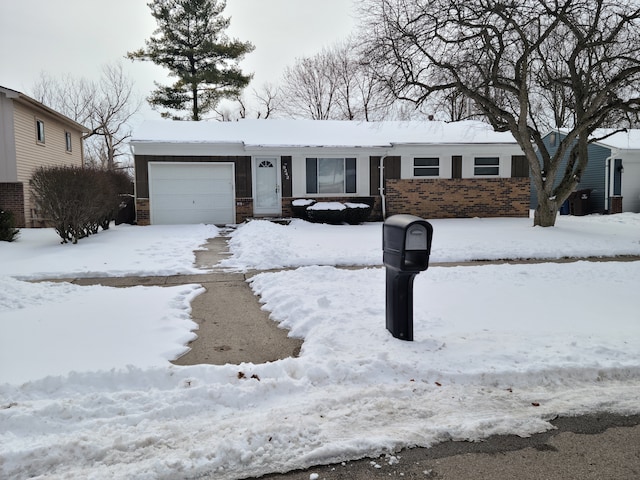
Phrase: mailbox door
[416,237]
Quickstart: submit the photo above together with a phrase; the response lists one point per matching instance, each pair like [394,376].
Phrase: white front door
[266,186]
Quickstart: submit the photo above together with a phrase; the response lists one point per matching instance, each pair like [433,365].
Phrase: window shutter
[312,175]
[350,170]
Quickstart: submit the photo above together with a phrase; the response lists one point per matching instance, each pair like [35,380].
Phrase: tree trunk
[546,212]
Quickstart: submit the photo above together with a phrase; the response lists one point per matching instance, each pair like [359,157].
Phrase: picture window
[331,175]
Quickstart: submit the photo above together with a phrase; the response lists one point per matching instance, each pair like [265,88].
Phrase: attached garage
[187,193]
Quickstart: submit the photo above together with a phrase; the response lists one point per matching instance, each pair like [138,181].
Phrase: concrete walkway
[232,327]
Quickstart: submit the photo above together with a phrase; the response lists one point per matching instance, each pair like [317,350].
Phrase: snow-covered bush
[299,207]
[356,213]
[327,212]
[334,212]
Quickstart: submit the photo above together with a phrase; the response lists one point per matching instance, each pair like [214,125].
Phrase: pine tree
[191,43]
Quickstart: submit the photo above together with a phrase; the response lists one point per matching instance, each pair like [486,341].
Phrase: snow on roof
[327,133]
[629,140]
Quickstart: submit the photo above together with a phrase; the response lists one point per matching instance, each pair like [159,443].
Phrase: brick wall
[459,198]
[244,209]
[615,204]
[12,200]
[143,212]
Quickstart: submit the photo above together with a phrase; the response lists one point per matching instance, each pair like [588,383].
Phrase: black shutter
[350,181]
[312,175]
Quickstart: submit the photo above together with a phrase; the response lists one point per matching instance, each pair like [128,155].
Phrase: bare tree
[310,86]
[263,104]
[104,106]
[523,64]
[112,110]
[336,84]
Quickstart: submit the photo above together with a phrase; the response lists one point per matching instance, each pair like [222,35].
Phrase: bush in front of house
[8,230]
[356,213]
[327,212]
[78,201]
[299,207]
[331,212]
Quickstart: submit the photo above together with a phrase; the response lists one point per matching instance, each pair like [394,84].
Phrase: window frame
[349,175]
[485,169]
[40,134]
[68,144]
[430,167]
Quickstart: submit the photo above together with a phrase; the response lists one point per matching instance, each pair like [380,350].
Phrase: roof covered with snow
[326,133]
[629,140]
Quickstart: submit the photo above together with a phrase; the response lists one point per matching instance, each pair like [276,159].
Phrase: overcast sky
[78,36]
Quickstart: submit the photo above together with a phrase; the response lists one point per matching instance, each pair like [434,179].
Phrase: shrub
[356,213]
[327,212]
[299,208]
[78,201]
[8,232]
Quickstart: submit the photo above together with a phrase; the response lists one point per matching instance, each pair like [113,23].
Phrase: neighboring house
[213,172]
[32,135]
[612,176]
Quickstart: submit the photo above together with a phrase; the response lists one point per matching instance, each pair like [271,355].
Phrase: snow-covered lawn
[87,390]
[264,245]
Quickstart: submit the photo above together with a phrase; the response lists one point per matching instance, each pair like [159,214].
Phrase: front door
[267,196]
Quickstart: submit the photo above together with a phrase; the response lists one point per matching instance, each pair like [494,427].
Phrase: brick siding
[615,204]
[143,212]
[12,200]
[459,198]
[244,209]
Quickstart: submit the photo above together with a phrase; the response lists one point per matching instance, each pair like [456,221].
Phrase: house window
[331,175]
[426,167]
[486,166]
[39,131]
[67,141]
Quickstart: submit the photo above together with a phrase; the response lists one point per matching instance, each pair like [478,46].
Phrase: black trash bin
[406,245]
[579,202]
[126,210]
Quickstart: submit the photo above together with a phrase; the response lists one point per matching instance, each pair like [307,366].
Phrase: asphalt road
[592,447]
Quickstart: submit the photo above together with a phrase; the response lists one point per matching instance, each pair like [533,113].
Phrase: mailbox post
[406,245]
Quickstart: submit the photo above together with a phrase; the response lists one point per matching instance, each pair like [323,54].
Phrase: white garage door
[187,193]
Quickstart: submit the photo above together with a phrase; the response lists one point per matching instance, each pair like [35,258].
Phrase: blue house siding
[593,178]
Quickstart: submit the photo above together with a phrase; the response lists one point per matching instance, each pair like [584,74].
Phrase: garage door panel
[194,202]
[197,186]
[183,193]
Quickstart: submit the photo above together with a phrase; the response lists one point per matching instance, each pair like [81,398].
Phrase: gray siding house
[613,172]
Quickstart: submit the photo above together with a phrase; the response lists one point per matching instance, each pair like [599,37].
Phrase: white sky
[79,36]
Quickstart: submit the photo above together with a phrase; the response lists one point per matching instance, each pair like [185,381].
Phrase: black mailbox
[406,245]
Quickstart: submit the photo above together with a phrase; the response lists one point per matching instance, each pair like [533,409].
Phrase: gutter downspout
[607,182]
[383,204]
